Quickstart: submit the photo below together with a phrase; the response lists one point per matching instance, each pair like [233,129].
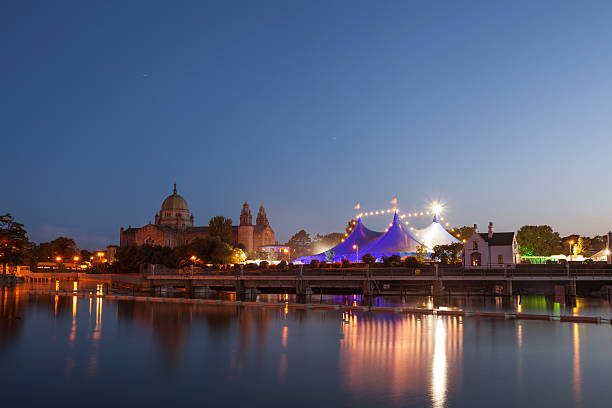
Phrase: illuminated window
[476,259]
[475,245]
[500,259]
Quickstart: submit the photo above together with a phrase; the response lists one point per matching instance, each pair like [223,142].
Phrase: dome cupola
[175,212]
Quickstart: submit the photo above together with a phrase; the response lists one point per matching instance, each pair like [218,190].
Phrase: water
[95,352]
[535,304]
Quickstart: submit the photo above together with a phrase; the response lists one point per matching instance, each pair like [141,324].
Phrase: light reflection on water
[139,350]
[538,304]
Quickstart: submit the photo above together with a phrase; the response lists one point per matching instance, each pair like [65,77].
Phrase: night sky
[501,111]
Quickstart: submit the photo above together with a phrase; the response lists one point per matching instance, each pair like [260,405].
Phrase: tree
[85,255]
[461,233]
[221,227]
[299,243]
[14,242]
[61,246]
[582,246]
[447,253]
[212,250]
[599,242]
[368,259]
[538,240]
[393,260]
[421,252]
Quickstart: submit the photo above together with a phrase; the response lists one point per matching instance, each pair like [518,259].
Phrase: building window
[475,246]
[475,259]
[500,259]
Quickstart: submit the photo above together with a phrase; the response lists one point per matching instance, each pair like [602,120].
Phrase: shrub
[323,264]
[346,263]
[282,264]
[368,259]
[263,264]
[393,260]
[314,263]
[411,262]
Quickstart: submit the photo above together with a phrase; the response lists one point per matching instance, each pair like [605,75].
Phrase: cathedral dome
[174,202]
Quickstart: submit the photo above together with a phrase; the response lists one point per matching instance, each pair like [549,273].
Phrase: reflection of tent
[435,234]
[361,236]
[396,241]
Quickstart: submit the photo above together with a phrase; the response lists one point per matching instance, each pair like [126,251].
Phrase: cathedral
[174,227]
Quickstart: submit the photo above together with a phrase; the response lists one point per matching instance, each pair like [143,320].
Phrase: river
[98,352]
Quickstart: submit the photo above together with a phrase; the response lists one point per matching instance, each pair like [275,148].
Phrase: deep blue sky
[503,110]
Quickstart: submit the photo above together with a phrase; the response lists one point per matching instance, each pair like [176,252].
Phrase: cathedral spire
[262,218]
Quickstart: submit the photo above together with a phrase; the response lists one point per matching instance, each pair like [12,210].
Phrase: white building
[490,250]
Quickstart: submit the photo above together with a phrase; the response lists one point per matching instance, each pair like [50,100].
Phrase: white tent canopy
[435,234]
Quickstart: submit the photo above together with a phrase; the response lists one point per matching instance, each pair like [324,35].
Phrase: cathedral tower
[245,229]
[262,218]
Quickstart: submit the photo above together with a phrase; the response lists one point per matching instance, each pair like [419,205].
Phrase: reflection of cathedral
[174,227]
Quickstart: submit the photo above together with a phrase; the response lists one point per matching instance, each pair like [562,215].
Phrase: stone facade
[174,226]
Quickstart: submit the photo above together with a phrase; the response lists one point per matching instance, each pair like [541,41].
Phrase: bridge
[427,280]
[304,281]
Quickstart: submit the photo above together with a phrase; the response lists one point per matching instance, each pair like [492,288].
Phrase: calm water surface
[97,352]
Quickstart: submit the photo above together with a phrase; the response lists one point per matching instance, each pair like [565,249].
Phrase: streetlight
[570,244]
[193,258]
[76,259]
[357,248]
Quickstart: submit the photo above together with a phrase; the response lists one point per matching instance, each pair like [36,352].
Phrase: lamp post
[570,245]
[76,259]
[357,248]
[193,258]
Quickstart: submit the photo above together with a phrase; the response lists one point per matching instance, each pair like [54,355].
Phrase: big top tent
[435,234]
[360,237]
[396,241]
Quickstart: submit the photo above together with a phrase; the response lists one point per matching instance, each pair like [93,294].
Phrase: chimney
[490,234]
[475,227]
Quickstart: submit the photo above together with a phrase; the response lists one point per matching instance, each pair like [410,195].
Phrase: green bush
[393,260]
[368,259]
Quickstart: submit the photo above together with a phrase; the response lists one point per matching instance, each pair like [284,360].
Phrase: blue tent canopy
[361,237]
[396,241]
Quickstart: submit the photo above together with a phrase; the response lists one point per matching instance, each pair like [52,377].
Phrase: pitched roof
[498,238]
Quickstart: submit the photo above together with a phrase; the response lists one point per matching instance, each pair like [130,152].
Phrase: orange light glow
[58,258]
[76,258]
